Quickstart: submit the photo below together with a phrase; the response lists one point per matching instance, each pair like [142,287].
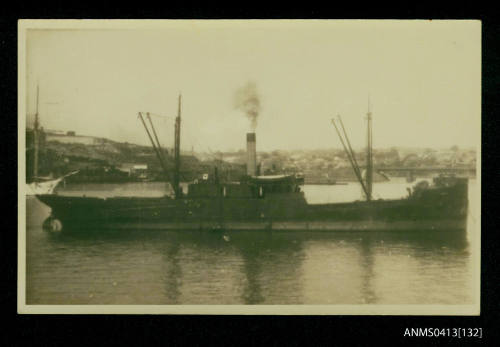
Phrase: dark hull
[440,208]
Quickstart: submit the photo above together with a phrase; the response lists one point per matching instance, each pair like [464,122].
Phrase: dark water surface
[263,267]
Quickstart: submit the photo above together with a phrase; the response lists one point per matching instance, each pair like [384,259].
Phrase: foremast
[36,139]
[177,152]
[369,156]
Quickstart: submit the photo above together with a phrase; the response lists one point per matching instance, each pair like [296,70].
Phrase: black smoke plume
[246,99]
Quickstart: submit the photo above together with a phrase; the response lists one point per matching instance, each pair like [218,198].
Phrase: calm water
[193,267]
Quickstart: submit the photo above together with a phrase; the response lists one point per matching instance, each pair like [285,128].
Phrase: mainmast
[35,139]
[369,155]
[177,154]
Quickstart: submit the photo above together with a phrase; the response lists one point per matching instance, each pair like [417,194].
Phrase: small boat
[45,187]
[41,185]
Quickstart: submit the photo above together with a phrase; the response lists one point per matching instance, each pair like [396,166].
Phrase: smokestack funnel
[251,155]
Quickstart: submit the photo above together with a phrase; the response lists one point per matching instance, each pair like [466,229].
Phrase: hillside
[98,157]
[106,157]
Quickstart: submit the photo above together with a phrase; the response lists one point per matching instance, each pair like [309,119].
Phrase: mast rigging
[352,160]
[154,133]
[158,154]
[367,183]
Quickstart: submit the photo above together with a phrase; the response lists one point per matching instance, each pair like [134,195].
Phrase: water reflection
[271,265]
[197,267]
[252,268]
[173,276]
[367,274]
[262,265]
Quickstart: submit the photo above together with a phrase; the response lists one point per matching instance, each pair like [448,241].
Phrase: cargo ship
[263,202]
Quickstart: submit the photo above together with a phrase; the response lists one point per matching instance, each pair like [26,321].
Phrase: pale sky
[422,77]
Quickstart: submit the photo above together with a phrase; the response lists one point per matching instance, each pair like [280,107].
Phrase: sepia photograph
[273,167]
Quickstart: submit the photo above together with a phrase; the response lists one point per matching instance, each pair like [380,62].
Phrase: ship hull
[443,208]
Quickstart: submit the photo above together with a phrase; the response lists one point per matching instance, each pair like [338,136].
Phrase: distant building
[234,158]
[71,137]
[339,162]
[446,157]
[134,170]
